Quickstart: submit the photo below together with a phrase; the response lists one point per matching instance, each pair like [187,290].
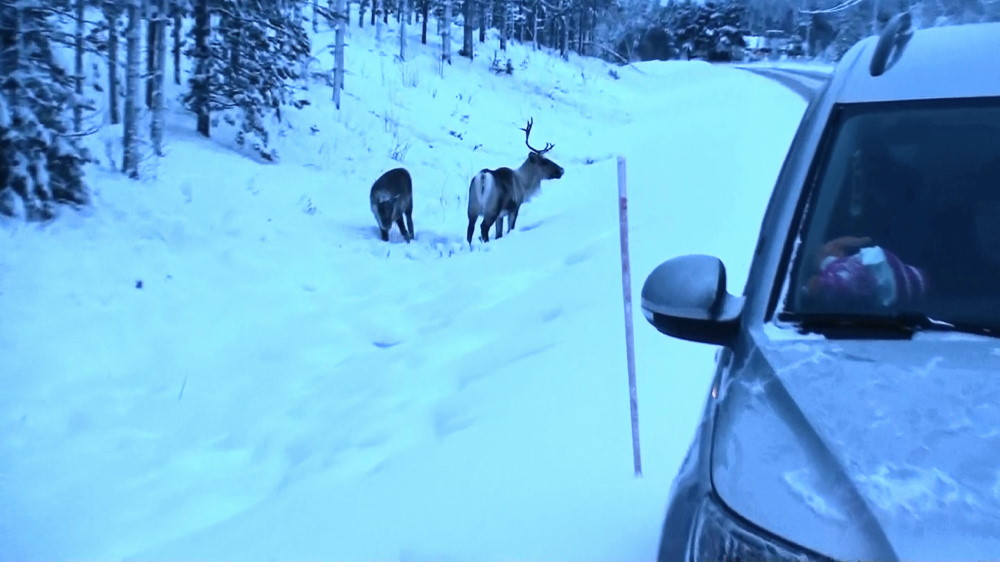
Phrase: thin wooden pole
[627,297]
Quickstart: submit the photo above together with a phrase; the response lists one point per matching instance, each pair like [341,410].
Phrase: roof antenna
[896,33]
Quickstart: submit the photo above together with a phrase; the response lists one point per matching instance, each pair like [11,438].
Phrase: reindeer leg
[488,221]
[402,228]
[409,224]
[385,234]
[499,228]
[472,228]
[511,219]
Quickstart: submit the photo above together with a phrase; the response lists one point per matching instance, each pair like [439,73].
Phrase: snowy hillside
[224,361]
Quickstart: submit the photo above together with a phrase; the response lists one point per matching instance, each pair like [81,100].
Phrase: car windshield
[903,216]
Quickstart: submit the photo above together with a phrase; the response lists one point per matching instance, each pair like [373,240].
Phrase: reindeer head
[385,207]
[550,170]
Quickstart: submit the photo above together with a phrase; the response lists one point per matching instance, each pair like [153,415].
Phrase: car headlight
[720,537]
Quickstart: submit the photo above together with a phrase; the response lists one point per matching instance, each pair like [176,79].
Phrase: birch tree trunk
[150,13]
[338,51]
[159,79]
[111,13]
[504,23]
[446,34]
[591,31]
[519,22]
[564,32]
[130,160]
[403,7]
[468,13]
[579,29]
[534,24]
[78,66]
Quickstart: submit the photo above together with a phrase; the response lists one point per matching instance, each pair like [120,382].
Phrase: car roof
[939,62]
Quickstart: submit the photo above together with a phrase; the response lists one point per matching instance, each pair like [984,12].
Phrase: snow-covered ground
[224,361]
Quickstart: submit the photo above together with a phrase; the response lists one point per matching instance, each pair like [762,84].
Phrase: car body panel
[927,68]
[866,449]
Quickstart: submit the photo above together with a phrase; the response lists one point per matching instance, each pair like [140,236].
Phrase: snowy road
[803,82]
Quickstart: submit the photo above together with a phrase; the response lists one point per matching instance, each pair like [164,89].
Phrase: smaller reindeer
[499,193]
[392,199]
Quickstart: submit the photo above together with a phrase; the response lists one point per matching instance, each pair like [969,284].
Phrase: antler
[527,135]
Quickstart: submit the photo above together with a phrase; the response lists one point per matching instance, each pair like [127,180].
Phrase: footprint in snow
[450,419]
[579,256]
[551,314]
[384,328]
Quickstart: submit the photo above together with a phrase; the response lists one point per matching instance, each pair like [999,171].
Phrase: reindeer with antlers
[494,194]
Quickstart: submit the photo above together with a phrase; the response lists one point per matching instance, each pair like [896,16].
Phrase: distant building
[756,47]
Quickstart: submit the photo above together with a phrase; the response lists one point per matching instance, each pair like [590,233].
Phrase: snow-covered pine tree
[272,66]
[721,24]
[853,24]
[79,44]
[206,67]
[244,69]
[517,19]
[615,33]
[41,162]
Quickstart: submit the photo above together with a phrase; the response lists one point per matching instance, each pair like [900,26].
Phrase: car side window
[904,213]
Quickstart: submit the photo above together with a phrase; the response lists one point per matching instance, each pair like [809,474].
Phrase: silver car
[855,408]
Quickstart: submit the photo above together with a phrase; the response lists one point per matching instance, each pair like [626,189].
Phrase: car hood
[866,449]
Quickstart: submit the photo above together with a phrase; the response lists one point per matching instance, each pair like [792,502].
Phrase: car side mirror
[686,297]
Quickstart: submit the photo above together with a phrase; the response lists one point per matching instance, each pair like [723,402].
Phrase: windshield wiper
[901,325]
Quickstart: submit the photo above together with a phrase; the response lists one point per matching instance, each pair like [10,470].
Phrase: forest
[242,61]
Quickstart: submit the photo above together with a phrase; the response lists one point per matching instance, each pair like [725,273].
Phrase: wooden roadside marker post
[627,297]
